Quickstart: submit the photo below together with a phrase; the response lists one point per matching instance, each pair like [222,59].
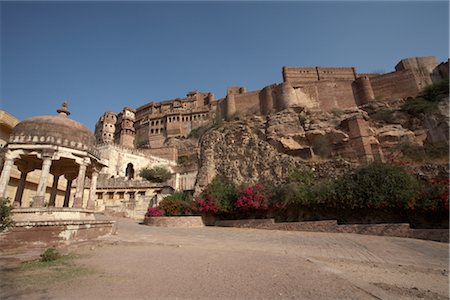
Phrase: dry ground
[143,262]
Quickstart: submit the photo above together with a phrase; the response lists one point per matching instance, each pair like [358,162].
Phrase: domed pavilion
[59,147]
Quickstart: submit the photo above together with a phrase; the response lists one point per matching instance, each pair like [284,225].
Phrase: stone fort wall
[330,88]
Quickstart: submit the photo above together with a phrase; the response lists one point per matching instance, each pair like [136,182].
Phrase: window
[110,195]
[121,195]
[129,171]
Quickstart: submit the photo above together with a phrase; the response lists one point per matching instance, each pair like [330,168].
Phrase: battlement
[325,88]
[299,75]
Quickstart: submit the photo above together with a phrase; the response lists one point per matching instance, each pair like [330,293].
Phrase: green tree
[156,174]
[376,185]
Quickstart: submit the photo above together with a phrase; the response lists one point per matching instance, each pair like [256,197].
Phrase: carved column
[38,200]
[78,202]
[92,191]
[24,170]
[52,200]
[6,173]
[70,177]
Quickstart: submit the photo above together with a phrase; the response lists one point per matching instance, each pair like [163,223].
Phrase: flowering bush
[177,204]
[218,197]
[207,205]
[154,212]
[434,197]
[252,198]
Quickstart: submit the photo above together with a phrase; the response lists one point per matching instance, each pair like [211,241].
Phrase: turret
[266,100]
[286,96]
[230,105]
[363,89]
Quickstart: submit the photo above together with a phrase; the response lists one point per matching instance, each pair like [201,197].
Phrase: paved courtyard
[143,262]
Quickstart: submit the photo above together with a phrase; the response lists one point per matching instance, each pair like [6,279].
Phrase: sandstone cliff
[266,148]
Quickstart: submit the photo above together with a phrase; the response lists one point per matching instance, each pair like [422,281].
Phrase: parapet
[424,63]
[299,75]
[236,90]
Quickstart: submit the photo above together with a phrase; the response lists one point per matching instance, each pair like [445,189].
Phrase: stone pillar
[78,202]
[24,170]
[92,191]
[4,177]
[68,189]
[38,200]
[52,200]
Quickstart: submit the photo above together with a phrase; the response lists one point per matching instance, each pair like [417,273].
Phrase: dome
[57,130]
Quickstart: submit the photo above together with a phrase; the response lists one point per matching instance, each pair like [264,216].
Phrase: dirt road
[143,262]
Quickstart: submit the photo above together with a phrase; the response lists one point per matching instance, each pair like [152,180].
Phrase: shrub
[434,197]
[376,186]
[322,147]
[206,204]
[197,133]
[429,152]
[385,115]
[436,92]
[417,106]
[428,100]
[187,160]
[252,198]
[155,174]
[303,189]
[50,254]
[219,196]
[154,212]
[177,204]
[5,214]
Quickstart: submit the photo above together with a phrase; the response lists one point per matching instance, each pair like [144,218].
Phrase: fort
[56,163]
[322,88]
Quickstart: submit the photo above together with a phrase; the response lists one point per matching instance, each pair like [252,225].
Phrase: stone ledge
[177,222]
[55,232]
[387,229]
[60,223]
[52,214]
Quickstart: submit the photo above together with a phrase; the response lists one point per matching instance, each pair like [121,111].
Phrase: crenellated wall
[322,88]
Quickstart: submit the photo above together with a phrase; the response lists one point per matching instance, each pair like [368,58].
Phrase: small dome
[56,130]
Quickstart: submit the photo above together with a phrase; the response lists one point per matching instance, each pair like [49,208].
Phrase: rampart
[325,88]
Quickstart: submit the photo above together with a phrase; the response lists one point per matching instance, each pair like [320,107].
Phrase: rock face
[241,152]
[265,149]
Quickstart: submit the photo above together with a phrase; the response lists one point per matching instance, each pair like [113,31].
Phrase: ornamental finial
[63,109]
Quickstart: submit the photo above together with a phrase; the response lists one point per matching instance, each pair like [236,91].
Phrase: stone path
[143,262]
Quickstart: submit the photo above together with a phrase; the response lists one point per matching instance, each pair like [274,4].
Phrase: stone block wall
[395,85]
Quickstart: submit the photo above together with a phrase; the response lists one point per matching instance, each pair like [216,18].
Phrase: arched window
[129,172]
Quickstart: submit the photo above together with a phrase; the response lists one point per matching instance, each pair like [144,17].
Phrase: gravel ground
[143,262]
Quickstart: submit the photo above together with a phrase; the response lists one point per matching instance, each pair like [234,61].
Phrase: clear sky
[102,56]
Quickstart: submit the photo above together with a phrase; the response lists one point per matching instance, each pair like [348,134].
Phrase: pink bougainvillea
[252,197]
[155,212]
[206,205]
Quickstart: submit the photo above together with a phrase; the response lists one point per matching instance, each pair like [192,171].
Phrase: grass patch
[37,276]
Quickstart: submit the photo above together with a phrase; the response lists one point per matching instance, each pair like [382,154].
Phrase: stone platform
[52,226]
[179,222]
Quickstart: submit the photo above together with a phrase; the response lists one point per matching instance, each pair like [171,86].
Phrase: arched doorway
[129,172]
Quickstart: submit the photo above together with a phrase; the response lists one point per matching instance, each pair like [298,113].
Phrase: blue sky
[102,56]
